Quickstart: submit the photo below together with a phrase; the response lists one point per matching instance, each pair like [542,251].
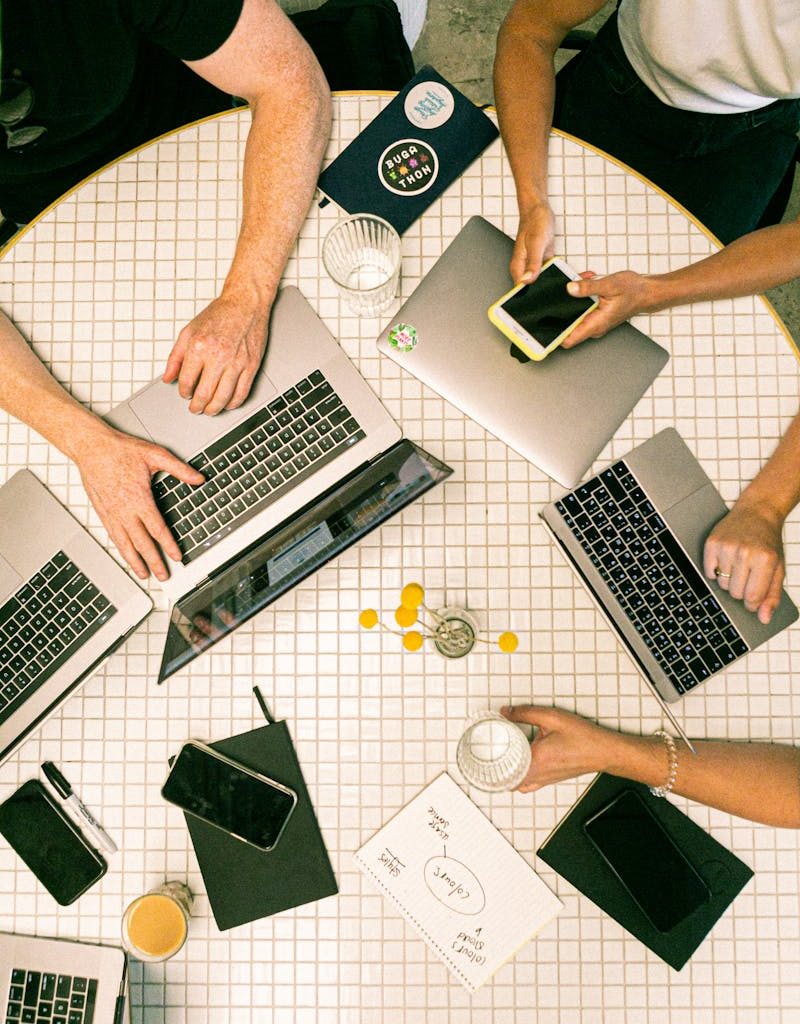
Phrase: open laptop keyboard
[43,624]
[667,600]
[35,997]
[258,461]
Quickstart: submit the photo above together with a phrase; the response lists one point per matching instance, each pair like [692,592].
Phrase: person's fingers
[767,607]
[586,287]
[206,387]
[762,568]
[518,267]
[711,555]
[128,551]
[740,573]
[587,275]
[156,527]
[175,358]
[191,371]
[594,325]
[159,459]
[529,713]
[223,394]
[242,389]
[146,547]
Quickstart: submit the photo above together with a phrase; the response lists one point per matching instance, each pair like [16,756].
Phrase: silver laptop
[48,981]
[65,605]
[305,467]
[558,413]
[635,534]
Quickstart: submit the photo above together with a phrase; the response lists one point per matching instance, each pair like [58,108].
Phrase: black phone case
[34,786]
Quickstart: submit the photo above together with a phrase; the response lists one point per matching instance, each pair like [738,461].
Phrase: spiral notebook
[468,893]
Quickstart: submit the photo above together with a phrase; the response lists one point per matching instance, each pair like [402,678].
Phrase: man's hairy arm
[266,62]
[524,88]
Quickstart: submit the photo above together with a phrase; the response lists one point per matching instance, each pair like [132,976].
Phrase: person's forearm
[29,393]
[747,266]
[284,151]
[758,781]
[524,87]
[777,485]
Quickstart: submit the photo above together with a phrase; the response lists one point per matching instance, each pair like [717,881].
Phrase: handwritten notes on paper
[453,876]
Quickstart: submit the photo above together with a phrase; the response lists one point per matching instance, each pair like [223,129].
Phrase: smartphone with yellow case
[537,317]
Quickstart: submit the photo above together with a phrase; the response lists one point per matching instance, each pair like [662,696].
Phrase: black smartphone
[49,842]
[637,848]
[224,793]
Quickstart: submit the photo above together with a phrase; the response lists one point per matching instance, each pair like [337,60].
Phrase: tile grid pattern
[102,285]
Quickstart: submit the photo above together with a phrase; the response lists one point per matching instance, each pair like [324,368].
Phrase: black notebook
[569,851]
[408,155]
[245,884]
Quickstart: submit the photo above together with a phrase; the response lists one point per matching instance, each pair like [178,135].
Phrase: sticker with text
[403,337]
[429,105]
[408,167]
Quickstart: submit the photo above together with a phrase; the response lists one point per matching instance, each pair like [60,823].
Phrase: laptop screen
[297,548]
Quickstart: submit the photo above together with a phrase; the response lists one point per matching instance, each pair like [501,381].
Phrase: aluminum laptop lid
[33,528]
[299,343]
[103,967]
[690,505]
[558,413]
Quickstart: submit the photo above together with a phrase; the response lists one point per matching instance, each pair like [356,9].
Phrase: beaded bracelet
[672,773]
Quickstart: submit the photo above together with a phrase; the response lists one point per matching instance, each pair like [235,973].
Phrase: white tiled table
[101,285]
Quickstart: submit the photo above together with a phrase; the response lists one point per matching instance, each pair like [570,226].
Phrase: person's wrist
[639,758]
[88,435]
[765,504]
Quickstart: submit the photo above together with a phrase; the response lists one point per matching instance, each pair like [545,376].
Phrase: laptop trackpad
[166,418]
[10,579]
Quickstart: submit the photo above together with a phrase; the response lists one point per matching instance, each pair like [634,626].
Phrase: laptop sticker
[408,167]
[403,337]
[429,104]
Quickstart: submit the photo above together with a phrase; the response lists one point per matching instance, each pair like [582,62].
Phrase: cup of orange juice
[155,926]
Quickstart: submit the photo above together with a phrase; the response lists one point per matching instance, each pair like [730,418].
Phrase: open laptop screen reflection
[295,549]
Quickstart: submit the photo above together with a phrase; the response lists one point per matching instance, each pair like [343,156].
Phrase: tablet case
[245,884]
[408,155]
[569,852]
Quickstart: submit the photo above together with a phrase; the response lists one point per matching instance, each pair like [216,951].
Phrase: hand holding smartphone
[537,317]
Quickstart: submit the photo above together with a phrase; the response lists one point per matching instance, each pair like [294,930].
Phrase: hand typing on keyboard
[218,354]
[116,470]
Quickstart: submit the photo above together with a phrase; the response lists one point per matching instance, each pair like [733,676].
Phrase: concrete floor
[459,40]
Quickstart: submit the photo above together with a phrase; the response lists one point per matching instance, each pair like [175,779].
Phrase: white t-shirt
[714,56]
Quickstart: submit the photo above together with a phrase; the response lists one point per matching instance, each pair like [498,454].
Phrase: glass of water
[362,255]
[493,754]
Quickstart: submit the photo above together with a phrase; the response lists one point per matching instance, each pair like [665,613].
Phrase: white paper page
[453,876]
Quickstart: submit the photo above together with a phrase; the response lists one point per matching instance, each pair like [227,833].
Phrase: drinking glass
[493,754]
[155,926]
[362,255]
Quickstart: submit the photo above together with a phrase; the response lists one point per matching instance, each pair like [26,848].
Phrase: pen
[119,1010]
[65,791]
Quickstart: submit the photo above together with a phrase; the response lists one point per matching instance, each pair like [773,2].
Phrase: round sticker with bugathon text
[408,167]
[429,105]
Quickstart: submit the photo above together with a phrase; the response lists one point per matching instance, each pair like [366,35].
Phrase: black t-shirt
[107,76]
